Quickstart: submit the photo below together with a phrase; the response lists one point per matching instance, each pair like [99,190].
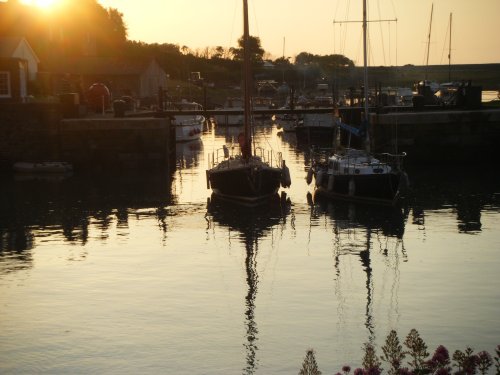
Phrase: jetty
[103,143]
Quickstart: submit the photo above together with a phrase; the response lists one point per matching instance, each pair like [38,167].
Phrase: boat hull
[229,120]
[189,133]
[247,183]
[319,135]
[50,167]
[317,128]
[378,188]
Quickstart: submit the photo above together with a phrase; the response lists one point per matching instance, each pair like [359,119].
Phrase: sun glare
[40,3]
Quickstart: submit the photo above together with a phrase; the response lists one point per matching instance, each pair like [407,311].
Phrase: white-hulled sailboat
[359,175]
[253,175]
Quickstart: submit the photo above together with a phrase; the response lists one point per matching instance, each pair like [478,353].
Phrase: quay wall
[38,132]
[446,136]
[111,143]
[28,132]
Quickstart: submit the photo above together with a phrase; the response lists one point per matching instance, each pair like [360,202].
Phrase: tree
[256,52]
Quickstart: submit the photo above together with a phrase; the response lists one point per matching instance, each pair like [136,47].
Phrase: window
[4,84]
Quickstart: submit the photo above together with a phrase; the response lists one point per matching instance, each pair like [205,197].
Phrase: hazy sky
[307,25]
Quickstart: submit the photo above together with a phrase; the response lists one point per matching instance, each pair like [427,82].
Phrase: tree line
[78,28]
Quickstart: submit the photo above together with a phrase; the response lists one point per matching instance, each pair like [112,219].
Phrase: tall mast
[449,53]
[429,41]
[365,63]
[247,79]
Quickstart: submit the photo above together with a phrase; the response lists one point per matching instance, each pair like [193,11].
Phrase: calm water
[141,274]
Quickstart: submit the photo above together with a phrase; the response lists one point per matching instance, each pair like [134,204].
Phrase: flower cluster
[419,363]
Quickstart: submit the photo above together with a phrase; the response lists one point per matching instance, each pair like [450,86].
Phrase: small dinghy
[42,167]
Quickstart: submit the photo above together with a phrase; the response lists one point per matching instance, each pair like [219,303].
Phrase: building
[140,78]
[18,66]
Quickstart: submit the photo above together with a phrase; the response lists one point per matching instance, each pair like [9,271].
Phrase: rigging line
[346,17]
[257,32]
[445,41]
[397,42]
[389,32]
[381,33]
[334,17]
[232,27]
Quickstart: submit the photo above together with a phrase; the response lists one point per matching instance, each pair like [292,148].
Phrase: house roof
[9,46]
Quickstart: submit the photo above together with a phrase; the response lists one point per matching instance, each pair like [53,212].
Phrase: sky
[288,27]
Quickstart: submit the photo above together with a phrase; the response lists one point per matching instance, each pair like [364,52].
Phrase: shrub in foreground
[414,360]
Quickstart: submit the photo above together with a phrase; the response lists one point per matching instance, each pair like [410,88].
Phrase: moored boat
[188,127]
[252,176]
[233,108]
[48,167]
[315,128]
[359,175]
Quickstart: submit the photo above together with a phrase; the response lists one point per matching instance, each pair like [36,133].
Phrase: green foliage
[417,349]
[309,366]
[256,52]
[484,362]
[370,359]
[393,353]
[497,359]
[466,362]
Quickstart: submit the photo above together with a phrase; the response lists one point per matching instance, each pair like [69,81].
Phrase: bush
[466,362]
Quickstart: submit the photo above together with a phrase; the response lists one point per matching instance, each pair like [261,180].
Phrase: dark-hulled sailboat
[252,176]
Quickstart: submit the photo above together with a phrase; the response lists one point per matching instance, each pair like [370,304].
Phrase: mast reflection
[252,224]
[371,220]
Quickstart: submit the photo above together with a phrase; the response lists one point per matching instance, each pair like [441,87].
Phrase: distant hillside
[485,75]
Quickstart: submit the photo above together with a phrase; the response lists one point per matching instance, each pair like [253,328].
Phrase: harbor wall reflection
[66,207]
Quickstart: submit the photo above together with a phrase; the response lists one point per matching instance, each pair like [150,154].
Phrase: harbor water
[145,273]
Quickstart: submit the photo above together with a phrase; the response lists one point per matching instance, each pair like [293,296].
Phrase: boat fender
[286,180]
[207,175]
[309,176]
[352,187]
[404,183]
[309,198]
[331,181]
[226,151]
[319,177]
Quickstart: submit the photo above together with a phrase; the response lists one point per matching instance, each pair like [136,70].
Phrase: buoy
[309,176]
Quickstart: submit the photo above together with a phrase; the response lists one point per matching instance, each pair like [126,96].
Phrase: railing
[320,156]
[271,158]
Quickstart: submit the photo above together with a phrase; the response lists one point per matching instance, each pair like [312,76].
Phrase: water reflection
[448,188]
[188,154]
[357,227]
[251,224]
[65,209]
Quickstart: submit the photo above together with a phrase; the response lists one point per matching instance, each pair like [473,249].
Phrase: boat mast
[365,64]
[449,53]
[247,77]
[429,41]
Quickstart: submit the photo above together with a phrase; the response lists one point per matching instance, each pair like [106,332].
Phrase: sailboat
[359,175]
[253,175]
